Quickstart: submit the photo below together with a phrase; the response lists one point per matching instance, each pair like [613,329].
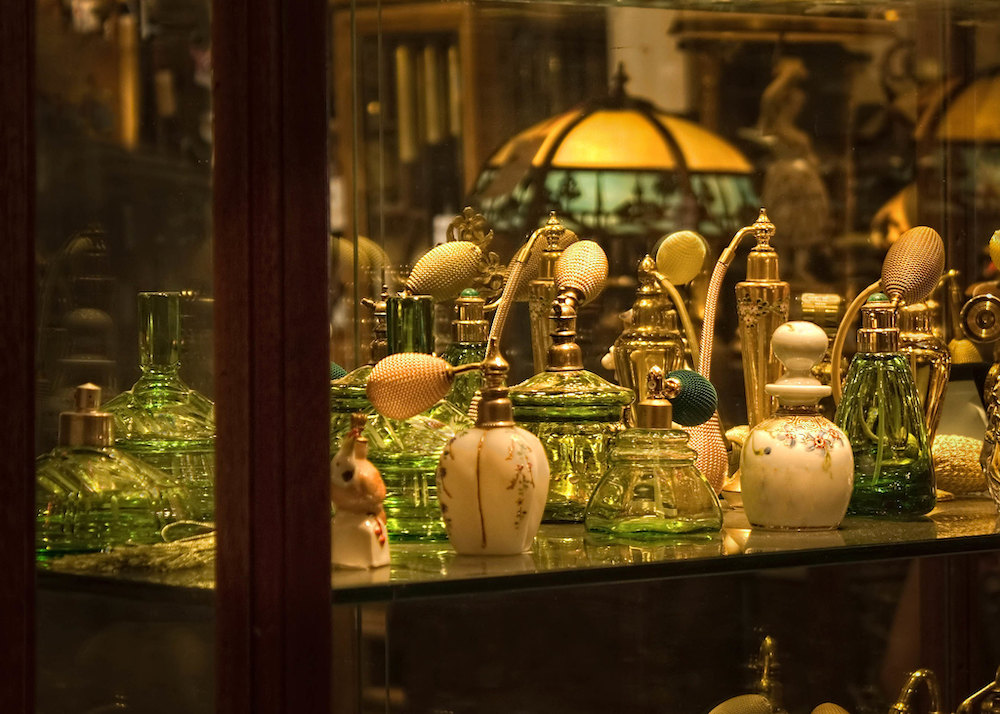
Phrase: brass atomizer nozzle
[652,308]
[494,408]
[656,411]
[564,355]
[762,263]
[380,340]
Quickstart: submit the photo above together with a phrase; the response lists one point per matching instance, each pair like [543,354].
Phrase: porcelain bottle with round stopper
[797,466]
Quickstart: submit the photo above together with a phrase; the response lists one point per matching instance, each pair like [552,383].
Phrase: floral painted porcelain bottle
[797,466]
[492,480]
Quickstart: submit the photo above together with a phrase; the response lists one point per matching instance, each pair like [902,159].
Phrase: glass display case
[217,214]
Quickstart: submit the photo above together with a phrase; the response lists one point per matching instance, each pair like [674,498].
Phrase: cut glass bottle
[161,420]
[881,414]
[90,496]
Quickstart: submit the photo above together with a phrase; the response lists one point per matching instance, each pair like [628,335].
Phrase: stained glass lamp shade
[617,167]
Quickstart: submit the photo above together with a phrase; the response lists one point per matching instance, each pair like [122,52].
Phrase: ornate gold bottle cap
[495,408]
[656,411]
[471,324]
[762,263]
[86,426]
[878,319]
[564,354]
[653,308]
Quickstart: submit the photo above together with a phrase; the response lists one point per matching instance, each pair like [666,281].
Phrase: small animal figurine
[358,536]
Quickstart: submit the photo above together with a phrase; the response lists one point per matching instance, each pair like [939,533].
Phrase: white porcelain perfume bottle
[493,479]
[797,466]
[358,536]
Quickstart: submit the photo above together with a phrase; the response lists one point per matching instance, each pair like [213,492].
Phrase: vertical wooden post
[17,357]
[272,362]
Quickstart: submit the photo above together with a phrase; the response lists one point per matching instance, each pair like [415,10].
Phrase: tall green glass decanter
[652,488]
[470,330]
[405,452]
[90,496]
[881,414]
[574,413]
[160,419]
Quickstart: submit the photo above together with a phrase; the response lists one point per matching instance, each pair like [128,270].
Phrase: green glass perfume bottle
[469,347]
[406,452]
[410,323]
[652,487]
[90,496]
[574,413]
[652,339]
[160,419]
[881,414]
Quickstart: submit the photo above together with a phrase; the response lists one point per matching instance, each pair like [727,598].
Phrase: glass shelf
[564,556]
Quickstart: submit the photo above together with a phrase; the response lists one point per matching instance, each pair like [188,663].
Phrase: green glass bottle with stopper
[404,451]
[881,414]
[162,420]
[572,411]
[470,330]
[652,488]
[90,496]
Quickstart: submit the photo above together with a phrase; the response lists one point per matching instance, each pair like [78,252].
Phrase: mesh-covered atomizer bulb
[913,265]
[407,383]
[744,704]
[445,270]
[696,399]
[583,270]
[681,256]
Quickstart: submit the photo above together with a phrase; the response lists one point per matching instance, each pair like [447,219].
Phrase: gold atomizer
[761,305]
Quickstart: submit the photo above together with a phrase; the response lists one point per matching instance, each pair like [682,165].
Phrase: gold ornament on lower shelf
[956,464]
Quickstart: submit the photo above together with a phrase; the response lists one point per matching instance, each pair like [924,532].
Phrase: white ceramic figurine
[358,537]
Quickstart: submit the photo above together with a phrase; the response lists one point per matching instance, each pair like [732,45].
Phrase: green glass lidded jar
[882,416]
[162,420]
[652,488]
[90,496]
[575,414]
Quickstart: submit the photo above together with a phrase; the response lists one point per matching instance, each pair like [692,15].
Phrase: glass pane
[124,248]
[659,129]
[845,635]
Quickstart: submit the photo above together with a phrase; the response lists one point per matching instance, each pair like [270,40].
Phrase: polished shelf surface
[563,555]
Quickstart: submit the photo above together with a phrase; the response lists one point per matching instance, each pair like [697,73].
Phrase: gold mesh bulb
[445,270]
[913,265]
[583,267]
[405,384]
[681,256]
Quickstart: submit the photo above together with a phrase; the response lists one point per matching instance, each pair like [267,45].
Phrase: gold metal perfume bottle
[652,339]
[762,305]
[930,361]
[542,290]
